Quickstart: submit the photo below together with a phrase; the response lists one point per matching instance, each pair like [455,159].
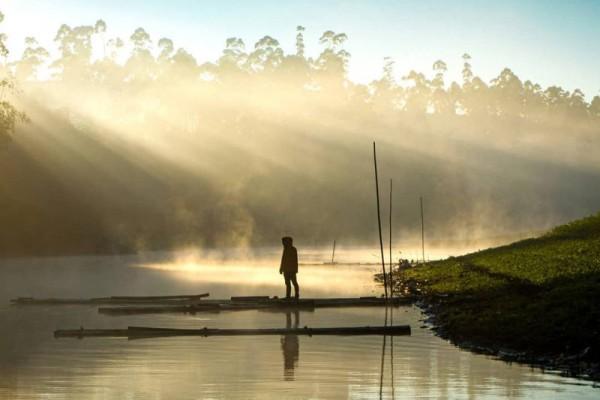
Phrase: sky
[549,42]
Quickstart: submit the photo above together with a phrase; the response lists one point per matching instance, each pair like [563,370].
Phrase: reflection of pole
[383,358]
[422,230]
[333,254]
[379,222]
[391,261]
[392,353]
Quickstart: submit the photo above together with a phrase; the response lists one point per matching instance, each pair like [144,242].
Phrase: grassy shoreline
[535,301]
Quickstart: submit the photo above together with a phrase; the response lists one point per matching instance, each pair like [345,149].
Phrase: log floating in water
[250,298]
[176,297]
[165,300]
[264,304]
[147,332]
[210,307]
[191,309]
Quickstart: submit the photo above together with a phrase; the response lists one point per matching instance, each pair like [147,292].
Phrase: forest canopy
[150,149]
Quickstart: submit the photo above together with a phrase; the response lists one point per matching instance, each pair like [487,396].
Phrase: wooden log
[81,333]
[271,304]
[165,300]
[188,309]
[250,298]
[176,297]
[148,332]
[54,301]
[211,307]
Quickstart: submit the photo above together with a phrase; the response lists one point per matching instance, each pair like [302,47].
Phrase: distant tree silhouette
[3,49]
[9,115]
[33,57]
[505,96]
[300,41]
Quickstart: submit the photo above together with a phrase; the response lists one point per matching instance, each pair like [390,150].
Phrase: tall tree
[141,64]
[33,57]
[234,58]
[3,48]
[595,107]
[267,55]
[9,115]
[333,61]
[440,99]
[300,40]
[467,72]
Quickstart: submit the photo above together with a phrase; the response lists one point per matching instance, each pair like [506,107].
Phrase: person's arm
[281,264]
[296,259]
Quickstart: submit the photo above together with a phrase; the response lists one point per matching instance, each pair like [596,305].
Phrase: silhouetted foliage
[9,115]
[505,96]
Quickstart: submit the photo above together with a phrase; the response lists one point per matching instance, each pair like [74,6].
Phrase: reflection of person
[289,266]
[290,346]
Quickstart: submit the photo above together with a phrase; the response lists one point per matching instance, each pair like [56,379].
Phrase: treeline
[88,54]
[134,144]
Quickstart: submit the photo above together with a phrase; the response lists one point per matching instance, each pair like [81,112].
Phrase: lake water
[35,365]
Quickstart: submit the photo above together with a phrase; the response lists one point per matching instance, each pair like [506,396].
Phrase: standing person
[289,266]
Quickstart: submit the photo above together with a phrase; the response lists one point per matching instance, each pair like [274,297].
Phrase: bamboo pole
[391,260]
[385,285]
[422,230]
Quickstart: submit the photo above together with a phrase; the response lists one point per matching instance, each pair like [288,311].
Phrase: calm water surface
[34,365]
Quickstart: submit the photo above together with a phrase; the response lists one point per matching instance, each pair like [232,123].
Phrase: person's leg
[296,287]
[288,287]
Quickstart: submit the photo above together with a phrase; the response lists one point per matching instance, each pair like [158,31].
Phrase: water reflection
[34,365]
[290,346]
[392,356]
[383,354]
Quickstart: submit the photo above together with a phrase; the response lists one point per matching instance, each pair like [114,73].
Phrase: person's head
[287,241]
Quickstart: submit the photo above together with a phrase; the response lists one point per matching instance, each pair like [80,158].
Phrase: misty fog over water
[132,146]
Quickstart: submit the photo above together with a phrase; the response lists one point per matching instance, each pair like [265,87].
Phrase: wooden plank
[271,304]
[249,298]
[190,309]
[176,297]
[54,301]
[148,332]
[165,300]
[197,305]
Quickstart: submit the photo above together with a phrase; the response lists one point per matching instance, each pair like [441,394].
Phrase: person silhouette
[289,266]
[290,346]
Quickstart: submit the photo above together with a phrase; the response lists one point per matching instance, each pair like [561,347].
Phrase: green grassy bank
[537,300]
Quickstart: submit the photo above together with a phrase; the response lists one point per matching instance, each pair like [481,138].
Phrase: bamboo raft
[136,332]
[116,300]
[256,303]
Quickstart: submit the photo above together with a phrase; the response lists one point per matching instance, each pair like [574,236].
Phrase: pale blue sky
[550,42]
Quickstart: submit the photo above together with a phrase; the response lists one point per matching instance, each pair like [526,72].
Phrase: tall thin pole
[385,285]
[391,261]
[422,230]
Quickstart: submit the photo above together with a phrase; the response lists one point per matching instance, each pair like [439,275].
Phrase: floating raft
[146,332]
[257,303]
[161,300]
